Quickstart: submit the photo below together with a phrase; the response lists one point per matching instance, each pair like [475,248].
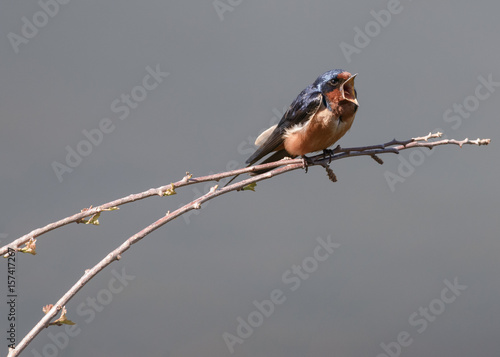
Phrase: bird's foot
[307,161]
[329,153]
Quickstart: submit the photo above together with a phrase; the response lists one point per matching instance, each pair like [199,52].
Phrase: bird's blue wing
[302,109]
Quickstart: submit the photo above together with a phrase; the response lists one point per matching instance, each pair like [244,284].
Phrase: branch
[393,146]
[278,168]
[166,190]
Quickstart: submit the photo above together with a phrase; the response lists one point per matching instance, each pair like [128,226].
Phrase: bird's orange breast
[321,132]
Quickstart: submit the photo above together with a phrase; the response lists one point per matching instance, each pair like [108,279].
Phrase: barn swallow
[320,115]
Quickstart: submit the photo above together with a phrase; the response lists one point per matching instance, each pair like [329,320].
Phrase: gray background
[228,78]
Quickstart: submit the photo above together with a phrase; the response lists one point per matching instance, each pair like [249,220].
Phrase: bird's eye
[334,81]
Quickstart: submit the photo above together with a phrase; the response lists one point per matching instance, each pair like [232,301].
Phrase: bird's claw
[328,153]
[307,161]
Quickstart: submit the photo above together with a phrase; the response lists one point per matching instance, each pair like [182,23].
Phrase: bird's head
[338,86]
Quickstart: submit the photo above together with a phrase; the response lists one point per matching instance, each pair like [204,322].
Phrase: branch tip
[187,177]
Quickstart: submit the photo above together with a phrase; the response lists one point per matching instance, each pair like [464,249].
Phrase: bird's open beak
[348,91]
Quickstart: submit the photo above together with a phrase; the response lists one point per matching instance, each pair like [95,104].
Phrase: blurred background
[101,100]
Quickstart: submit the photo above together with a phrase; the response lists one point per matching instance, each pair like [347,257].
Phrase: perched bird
[320,115]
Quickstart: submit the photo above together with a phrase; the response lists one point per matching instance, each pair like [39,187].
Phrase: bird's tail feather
[232,179]
[278,155]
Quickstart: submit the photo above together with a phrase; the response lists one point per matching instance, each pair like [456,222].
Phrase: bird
[320,115]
